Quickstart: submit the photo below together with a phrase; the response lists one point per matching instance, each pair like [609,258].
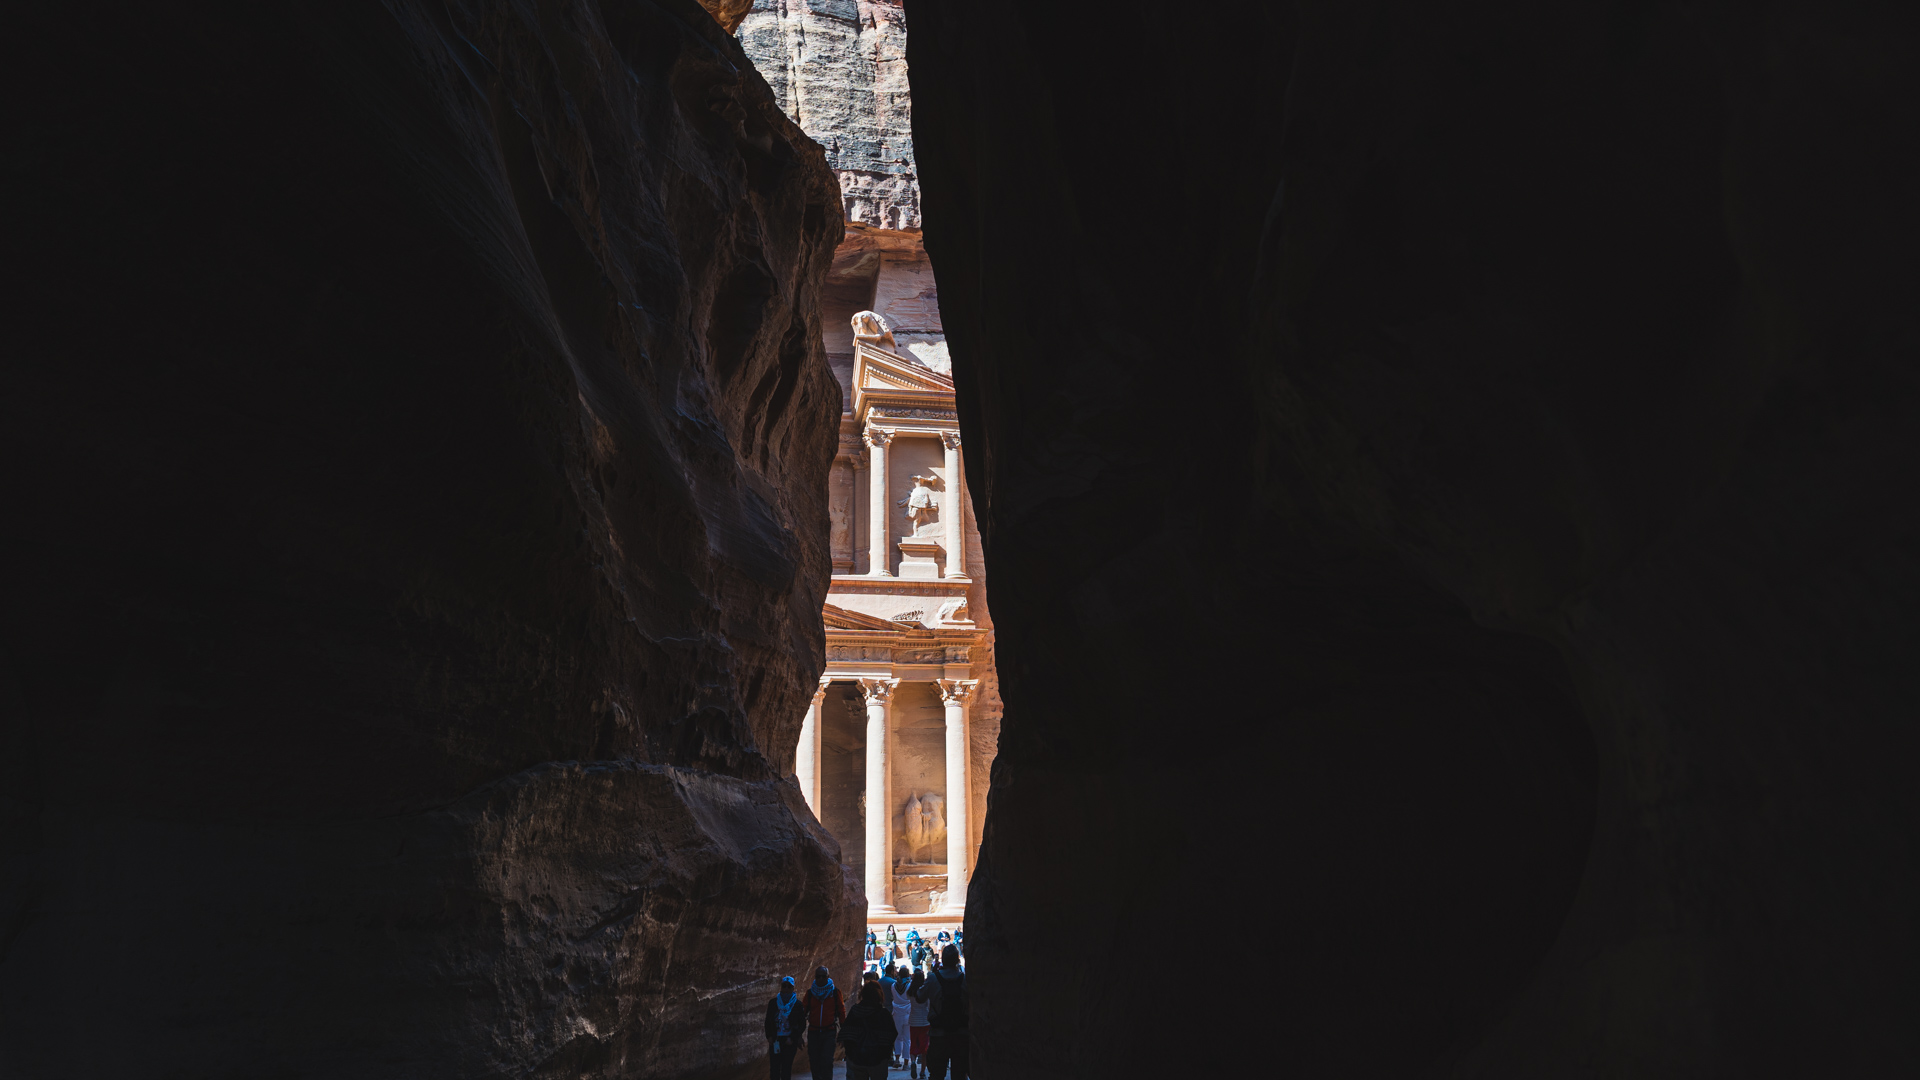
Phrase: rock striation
[839,69]
[1497,426]
[414,546]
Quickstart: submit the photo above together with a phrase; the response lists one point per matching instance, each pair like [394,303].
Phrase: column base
[881,909]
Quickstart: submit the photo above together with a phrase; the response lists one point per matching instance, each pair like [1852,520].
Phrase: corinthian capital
[879,691]
[820,694]
[876,437]
[950,439]
[957,691]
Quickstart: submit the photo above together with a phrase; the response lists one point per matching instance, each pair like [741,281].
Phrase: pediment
[839,618]
[878,369]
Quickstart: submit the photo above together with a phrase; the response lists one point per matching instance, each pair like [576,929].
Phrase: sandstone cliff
[1446,484]
[839,68]
[414,543]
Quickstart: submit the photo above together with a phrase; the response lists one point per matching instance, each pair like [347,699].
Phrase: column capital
[879,691]
[825,681]
[950,439]
[957,691]
[876,436]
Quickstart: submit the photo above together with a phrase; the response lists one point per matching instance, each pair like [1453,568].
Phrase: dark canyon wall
[414,538]
[1448,489]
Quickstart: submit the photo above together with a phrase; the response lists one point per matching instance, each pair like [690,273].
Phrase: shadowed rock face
[1498,427]
[414,543]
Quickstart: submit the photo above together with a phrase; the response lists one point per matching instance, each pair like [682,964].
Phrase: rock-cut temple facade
[894,753]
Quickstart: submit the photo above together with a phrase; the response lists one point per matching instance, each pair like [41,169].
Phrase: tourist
[825,1011]
[873,947]
[894,952]
[786,1023]
[917,950]
[917,1025]
[947,1035]
[868,1036]
[902,1004]
[886,981]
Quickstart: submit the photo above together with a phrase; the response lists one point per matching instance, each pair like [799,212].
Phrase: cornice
[861,583]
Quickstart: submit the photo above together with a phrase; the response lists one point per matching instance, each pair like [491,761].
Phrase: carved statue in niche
[934,824]
[916,827]
[954,610]
[840,510]
[870,328]
[922,508]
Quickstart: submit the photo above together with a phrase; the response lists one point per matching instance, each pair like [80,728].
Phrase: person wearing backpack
[824,1011]
[948,1042]
[786,1025]
[868,1036]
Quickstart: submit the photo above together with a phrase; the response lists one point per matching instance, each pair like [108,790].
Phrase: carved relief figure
[840,511]
[922,508]
[870,328]
[934,825]
[954,610]
[916,828]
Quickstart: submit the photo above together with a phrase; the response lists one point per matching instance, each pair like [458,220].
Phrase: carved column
[806,763]
[841,499]
[858,463]
[877,553]
[955,511]
[879,694]
[956,694]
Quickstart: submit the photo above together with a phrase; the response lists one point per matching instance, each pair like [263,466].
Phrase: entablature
[899,394]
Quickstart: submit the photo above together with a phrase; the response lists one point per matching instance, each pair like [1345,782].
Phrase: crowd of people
[908,1014]
[916,949]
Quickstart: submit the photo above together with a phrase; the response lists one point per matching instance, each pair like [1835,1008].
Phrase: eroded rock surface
[839,68]
[1446,480]
[414,545]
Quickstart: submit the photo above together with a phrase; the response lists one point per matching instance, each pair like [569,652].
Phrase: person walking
[948,1041]
[902,1004]
[786,1024]
[917,1025]
[824,1013]
[868,1036]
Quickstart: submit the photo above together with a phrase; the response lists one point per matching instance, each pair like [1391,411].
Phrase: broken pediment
[839,618]
[878,369]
